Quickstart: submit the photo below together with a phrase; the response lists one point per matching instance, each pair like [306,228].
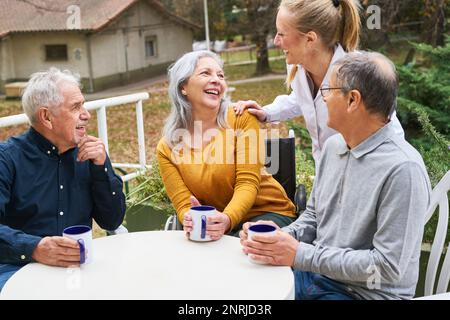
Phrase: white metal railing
[100,107]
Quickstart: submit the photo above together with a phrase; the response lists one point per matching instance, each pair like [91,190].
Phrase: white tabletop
[441,296]
[155,265]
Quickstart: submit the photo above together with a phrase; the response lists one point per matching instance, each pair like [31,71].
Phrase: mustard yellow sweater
[227,173]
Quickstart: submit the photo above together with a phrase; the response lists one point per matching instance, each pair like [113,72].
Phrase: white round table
[440,296]
[156,265]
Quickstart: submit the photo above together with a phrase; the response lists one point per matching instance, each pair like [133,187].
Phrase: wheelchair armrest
[300,199]
[169,223]
[172,223]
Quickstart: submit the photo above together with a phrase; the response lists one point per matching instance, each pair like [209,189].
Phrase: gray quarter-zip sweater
[364,221]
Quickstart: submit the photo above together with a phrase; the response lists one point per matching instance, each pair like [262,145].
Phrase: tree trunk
[410,56]
[260,21]
[434,25]
[262,56]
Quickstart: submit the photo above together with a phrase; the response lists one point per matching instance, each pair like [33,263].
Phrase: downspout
[127,71]
[89,58]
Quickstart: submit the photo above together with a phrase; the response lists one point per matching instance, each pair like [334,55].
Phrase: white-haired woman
[313,34]
[208,155]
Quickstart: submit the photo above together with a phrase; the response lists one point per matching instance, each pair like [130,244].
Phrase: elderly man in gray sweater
[361,233]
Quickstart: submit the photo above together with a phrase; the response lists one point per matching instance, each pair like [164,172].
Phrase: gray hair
[44,90]
[181,113]
[374,76]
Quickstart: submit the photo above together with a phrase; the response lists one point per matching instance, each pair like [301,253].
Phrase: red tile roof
[44,15]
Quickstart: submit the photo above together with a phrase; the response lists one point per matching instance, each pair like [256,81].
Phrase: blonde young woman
[206,153]
[313,34]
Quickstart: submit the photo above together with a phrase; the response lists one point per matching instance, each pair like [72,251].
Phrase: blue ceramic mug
[83,235]
[260,229]
[200,216]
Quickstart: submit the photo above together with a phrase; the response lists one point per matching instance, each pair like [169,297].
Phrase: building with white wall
[108,42]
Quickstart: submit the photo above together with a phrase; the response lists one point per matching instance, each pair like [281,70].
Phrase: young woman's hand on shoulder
[253,107]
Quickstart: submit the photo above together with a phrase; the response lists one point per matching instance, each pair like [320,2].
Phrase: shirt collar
[339,52]
[43,144]
[375,140]
[342,147]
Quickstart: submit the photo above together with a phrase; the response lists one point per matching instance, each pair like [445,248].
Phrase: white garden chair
[439,198]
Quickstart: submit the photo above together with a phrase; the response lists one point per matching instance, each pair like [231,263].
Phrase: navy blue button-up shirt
[43,192]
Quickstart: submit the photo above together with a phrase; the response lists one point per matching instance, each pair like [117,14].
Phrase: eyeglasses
[325,91]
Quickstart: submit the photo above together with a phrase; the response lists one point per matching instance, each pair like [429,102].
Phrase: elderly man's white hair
[44,90]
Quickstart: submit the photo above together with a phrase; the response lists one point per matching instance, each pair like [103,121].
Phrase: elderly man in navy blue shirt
[52,177]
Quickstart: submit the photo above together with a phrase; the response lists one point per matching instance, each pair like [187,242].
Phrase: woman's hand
[187,224]
[253,107]
[218,225]
[187,219]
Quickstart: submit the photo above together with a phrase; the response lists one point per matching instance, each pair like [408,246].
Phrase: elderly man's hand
[57,251]
[92,148]
[278,249]
[243,234]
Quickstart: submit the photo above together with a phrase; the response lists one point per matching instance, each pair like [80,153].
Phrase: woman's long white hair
[181,110]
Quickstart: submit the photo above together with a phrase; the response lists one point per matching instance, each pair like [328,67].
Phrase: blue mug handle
[203,233]
[82,251]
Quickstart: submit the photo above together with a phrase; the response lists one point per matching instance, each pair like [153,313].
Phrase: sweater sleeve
[176,189]
[249,155]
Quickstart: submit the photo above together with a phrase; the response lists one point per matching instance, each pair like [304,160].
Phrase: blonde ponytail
[350,26]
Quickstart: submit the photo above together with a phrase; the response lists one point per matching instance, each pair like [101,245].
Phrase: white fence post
[140,132]
[103,127]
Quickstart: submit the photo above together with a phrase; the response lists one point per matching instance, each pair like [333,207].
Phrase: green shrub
[305,167]
[427,84]
[150,189]
[423,108]
[432,145]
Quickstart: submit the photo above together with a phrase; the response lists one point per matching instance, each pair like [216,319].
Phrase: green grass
[246,71]
[239,72]
[263,91]
[278,66]
[247,55]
